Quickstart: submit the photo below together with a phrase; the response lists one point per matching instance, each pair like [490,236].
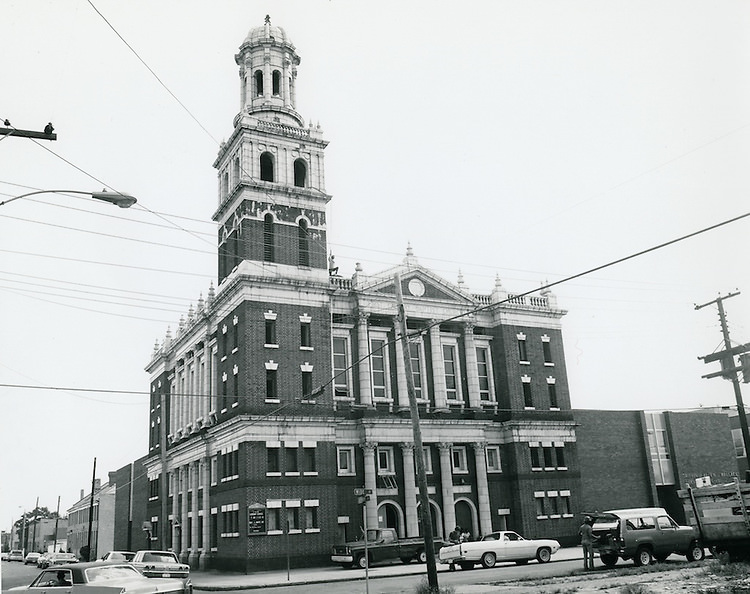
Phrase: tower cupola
[268,64]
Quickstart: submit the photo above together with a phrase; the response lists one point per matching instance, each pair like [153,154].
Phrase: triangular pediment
[418,282]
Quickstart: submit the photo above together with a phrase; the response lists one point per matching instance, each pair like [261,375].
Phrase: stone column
[195,476]
[205,472]
[446,487]
[267,78]
[363,348]
[184,485]
[483,491]
[403,390]
[472,372]
[371,506]
[410,490]
[174,478]
[438,368]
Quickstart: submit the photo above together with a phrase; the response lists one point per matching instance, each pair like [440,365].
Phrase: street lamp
[116,198]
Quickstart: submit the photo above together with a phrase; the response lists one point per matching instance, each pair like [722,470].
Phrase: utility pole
[91,513]
[57,519]
[36,520]
[424,507]
[728,368]
[48,134]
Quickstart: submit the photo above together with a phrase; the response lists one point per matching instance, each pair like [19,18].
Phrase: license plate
[165,575]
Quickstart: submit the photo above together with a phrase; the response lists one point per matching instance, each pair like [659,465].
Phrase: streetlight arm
[116,198]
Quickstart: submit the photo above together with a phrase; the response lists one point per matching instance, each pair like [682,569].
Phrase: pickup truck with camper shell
[642,534]
[383,544]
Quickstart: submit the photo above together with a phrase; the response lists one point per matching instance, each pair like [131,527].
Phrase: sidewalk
[216,581]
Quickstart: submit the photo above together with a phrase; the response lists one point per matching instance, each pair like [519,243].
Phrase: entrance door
[464,518]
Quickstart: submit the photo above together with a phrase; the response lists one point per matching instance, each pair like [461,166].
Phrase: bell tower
[271,203]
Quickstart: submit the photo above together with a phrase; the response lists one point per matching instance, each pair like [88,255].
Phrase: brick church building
[285,389]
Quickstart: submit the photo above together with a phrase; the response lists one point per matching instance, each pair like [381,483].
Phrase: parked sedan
[30,558]
[15,555]
[498,546]
[85,578]
[160,564]
[53,559]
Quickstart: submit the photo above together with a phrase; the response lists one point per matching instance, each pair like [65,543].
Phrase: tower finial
[268,19]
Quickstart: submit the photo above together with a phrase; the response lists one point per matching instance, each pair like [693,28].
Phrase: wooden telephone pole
[728,368]
[424,507]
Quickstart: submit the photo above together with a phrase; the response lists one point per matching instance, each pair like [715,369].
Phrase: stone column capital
[407,447]
[479,446]
[444,446]
[369,446]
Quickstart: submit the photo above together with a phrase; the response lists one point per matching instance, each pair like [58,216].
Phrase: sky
[525,140]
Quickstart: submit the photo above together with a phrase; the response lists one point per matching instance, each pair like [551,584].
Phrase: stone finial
[211,293]
[157,348]
[410,258]
[498,293]
[168,338]
[460,279]
[201,303]
[545,291]
[181,326]
[191,313]
[357,274]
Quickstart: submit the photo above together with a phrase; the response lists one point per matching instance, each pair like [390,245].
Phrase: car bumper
[342,558]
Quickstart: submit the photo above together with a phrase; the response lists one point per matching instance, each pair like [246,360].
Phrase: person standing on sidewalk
[587,542]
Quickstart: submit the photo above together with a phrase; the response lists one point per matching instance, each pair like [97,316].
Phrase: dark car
[84,578]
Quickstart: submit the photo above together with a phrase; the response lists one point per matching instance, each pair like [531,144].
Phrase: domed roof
[266,32]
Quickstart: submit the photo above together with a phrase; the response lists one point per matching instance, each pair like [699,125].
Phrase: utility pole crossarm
[28,133]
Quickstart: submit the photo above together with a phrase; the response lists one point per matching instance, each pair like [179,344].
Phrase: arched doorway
[435,516]
[391,516]
[466,517]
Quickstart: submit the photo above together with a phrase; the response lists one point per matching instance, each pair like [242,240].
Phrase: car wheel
[421,556]
[608,559]
[361,561]
[643,557]
[695,552]
[488,560]
[543,555]
[465,565]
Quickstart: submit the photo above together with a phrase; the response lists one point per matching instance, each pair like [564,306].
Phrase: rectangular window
[560,455]
[427,458]
[564,504]
[273,464]
[273,519]
[458,460]
[292,519]
[547,352]
[554,508]
[308,460]
[271,332]
[552,391]
[213,538]
[341,369]
[230,465]
[540,509]
[522,354]
[292,465]
[452,378]
[230,518]
[224,393]
[272,392]
[483,371]
[415,351]
[345,458]
[153,489]
[549,456]
[307,383]
[379,365]
[235,337]
[536,458]
[385,460]
[494,463]
[311,516]
[305,335]
[528,401]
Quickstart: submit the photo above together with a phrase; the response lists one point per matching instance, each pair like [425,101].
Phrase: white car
[499,546]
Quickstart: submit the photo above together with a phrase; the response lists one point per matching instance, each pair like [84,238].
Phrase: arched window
[303,245]
[258,76]
[266,167]
[276,83]
[300,173]
[269,252]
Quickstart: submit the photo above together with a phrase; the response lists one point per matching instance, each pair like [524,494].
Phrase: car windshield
[110,572]
[159,558]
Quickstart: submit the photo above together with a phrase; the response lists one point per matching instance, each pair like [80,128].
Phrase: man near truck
[587,542]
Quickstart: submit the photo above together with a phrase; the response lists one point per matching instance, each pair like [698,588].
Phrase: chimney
[82,493]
